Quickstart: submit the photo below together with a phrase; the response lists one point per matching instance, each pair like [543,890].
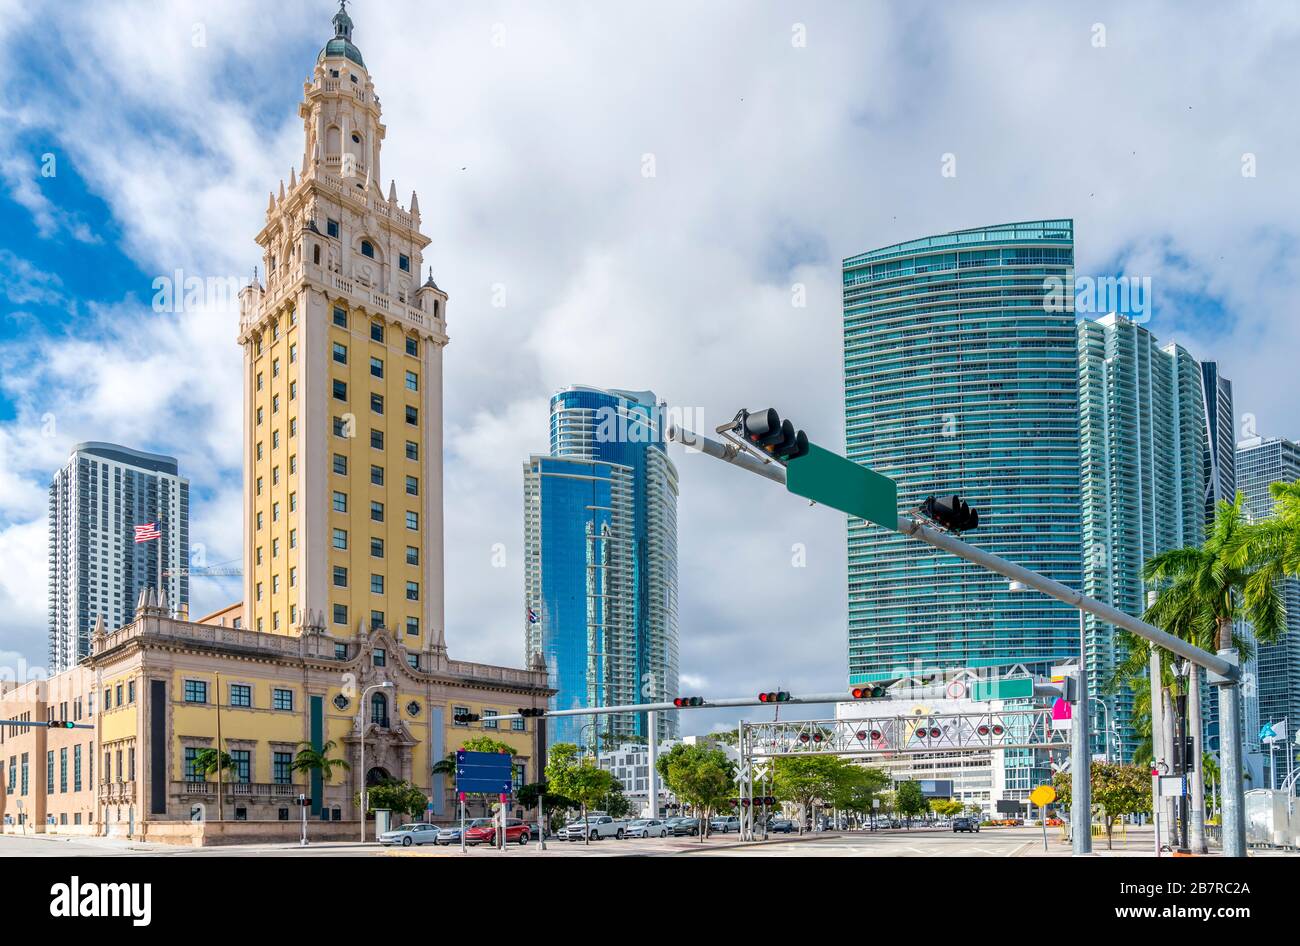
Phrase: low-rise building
[158,691]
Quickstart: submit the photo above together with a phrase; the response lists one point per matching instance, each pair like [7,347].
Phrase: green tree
[616,804]
[553,802]
[1117,789]
[807,780]
[578,777]
[702,778]
[1200,594]
[947,807]
[310,759]
[398,796]
[912,802]
[207,761]
[1273,544]
[859,786]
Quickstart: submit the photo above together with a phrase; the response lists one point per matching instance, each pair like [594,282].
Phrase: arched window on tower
[315,254]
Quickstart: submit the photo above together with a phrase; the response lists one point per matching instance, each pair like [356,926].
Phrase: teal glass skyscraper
[600,562]
[959,377]
[1143,429]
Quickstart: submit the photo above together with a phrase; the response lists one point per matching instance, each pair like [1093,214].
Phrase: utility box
[383,820]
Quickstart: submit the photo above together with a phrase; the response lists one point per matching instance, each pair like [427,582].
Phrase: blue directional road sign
[487,772]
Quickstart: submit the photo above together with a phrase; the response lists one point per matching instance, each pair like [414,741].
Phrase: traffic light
[466,717]
[779,696]
[682,701]
[61,724]
[766,430]
[951,512]
[874,691]
[528,712]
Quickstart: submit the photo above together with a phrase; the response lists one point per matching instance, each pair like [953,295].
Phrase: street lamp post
[361,721]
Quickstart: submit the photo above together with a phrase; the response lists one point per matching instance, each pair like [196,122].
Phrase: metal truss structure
[898,735]
[761,743]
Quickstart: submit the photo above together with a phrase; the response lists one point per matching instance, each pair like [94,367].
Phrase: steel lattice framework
[896,735]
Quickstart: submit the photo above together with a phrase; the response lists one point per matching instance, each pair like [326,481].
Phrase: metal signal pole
[1222,667]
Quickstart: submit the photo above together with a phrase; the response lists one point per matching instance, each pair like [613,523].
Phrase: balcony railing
[268,790]
[117,793]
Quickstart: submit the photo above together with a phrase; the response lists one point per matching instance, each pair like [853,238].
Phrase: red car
[516,830]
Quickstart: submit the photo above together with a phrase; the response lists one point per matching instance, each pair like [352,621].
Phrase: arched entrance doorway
[377,776]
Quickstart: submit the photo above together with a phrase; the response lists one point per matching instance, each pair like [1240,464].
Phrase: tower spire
[342,22]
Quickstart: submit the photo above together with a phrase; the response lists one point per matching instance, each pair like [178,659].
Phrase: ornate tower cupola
[341,44]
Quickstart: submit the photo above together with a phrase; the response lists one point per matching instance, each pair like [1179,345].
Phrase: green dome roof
[342,47]
[341,44]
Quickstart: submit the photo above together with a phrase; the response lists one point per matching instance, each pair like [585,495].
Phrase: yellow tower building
[343,386]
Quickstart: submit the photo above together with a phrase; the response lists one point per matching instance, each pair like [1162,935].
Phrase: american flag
[147,531]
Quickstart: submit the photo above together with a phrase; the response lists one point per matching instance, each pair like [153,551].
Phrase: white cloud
[772,163]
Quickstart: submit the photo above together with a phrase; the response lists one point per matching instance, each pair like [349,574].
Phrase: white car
[647,828]
[415,833]
[594,827]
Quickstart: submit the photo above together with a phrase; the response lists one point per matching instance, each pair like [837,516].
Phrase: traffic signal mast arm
[706,704]
[46,724]
[914,528]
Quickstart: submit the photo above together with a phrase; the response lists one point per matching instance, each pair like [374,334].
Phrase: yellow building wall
[278,366]
[357,485]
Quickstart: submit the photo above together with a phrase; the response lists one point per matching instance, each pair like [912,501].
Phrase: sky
[626,195]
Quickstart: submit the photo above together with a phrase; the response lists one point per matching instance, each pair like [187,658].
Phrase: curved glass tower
[959,377]
[600,565]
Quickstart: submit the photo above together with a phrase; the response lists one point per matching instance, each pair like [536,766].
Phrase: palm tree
[1200,595]
[310,759]
[206,761]
[1274,543]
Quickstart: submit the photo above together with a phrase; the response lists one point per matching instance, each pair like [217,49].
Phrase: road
[991,842]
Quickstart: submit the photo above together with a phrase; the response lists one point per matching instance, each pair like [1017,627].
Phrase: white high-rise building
[96,566]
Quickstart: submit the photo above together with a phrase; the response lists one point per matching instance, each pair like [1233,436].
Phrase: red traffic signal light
[777,696]
[688,701]
[528,712]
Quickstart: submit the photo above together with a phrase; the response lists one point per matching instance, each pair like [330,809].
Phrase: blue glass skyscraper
[600,562]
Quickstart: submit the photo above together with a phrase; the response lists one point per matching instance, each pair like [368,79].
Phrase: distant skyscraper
[96,567]
[1261,461]
[1142,433]
[1220,448]
[959,379]
[600,532]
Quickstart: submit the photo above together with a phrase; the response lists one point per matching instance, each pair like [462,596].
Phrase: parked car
[683,826]
[486,833]
[724,824]
[415,833]
[780,826]
[450,834]
[594,827]
[965,824]
[647,828]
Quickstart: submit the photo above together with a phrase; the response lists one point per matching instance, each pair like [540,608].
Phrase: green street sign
[831,480]
[1015,688]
